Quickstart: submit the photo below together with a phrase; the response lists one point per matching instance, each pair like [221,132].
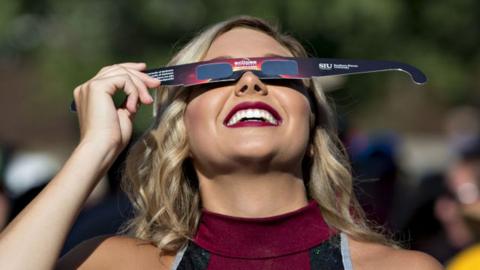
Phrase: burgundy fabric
[277,242]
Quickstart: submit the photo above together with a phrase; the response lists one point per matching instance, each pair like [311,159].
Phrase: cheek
[303,120]
[299,109]
[193,116]
[196,119]
[298,125]
[201,115]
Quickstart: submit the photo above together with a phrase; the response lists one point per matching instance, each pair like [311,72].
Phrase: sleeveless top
[296,240]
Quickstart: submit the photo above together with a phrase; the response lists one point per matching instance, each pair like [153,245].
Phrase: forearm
[33,240]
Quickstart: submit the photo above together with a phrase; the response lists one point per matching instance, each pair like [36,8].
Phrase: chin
[254,148]
[254,156]
[263,162]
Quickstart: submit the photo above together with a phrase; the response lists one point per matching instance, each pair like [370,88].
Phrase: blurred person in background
[376,172]
[462,129]
[458,209]
[205,196]
[375,169]
[459,213]
[24,173]
[440,224]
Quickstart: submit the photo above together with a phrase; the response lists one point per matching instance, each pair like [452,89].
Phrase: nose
[250,84]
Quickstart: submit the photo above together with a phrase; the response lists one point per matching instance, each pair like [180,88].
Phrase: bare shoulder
[115,252]
[366,256]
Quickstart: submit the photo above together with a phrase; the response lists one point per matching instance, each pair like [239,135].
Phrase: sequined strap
[192,257]
[328,255]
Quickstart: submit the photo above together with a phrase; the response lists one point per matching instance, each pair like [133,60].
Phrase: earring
[310,150]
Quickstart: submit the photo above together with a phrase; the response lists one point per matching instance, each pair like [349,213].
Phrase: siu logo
[325,66]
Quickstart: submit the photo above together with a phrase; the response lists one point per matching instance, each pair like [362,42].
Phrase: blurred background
[415,150]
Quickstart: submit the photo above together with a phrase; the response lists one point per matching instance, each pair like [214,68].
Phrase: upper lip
[252,105]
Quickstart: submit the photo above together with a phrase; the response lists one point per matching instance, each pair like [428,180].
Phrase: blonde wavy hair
[159,177]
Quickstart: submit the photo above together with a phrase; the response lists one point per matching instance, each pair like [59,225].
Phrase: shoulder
[367,256]
[115,252]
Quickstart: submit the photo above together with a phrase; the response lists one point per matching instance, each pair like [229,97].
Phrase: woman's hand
[100,122]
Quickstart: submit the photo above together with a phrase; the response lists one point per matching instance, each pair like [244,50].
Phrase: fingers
[113,83]
[99,119]
[141,80]
[134,68]
[127,77]
[131,65]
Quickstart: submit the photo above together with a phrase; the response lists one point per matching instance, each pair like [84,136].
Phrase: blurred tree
[63,43]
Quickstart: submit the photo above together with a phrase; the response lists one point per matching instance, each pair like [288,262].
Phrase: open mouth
[255,114]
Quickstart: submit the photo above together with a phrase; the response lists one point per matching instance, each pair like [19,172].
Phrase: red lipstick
[253,105]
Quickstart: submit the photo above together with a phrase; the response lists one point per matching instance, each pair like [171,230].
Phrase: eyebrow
[230,57]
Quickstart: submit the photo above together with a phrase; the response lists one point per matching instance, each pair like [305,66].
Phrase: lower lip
[252,124]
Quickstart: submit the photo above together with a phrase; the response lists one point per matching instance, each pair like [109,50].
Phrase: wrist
[103,152]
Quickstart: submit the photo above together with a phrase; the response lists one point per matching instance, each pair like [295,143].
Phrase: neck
[252,195]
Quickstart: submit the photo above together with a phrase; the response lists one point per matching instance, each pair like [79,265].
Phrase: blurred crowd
[435,209]
[23,175]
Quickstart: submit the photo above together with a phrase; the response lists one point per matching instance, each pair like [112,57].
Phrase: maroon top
[277,242]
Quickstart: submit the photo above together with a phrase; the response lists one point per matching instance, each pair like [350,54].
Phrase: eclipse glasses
[265,68]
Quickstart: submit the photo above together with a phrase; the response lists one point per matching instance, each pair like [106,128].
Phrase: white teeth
[252,113]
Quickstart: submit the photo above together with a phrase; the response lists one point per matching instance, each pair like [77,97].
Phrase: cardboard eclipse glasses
[231,69]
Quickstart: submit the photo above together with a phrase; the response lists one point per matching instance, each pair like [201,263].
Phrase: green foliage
[8,10]
[66,42]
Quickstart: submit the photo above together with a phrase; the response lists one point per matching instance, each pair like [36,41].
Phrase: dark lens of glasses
[214,71]
[280,67]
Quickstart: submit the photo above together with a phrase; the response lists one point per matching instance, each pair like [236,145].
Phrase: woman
[208,193]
